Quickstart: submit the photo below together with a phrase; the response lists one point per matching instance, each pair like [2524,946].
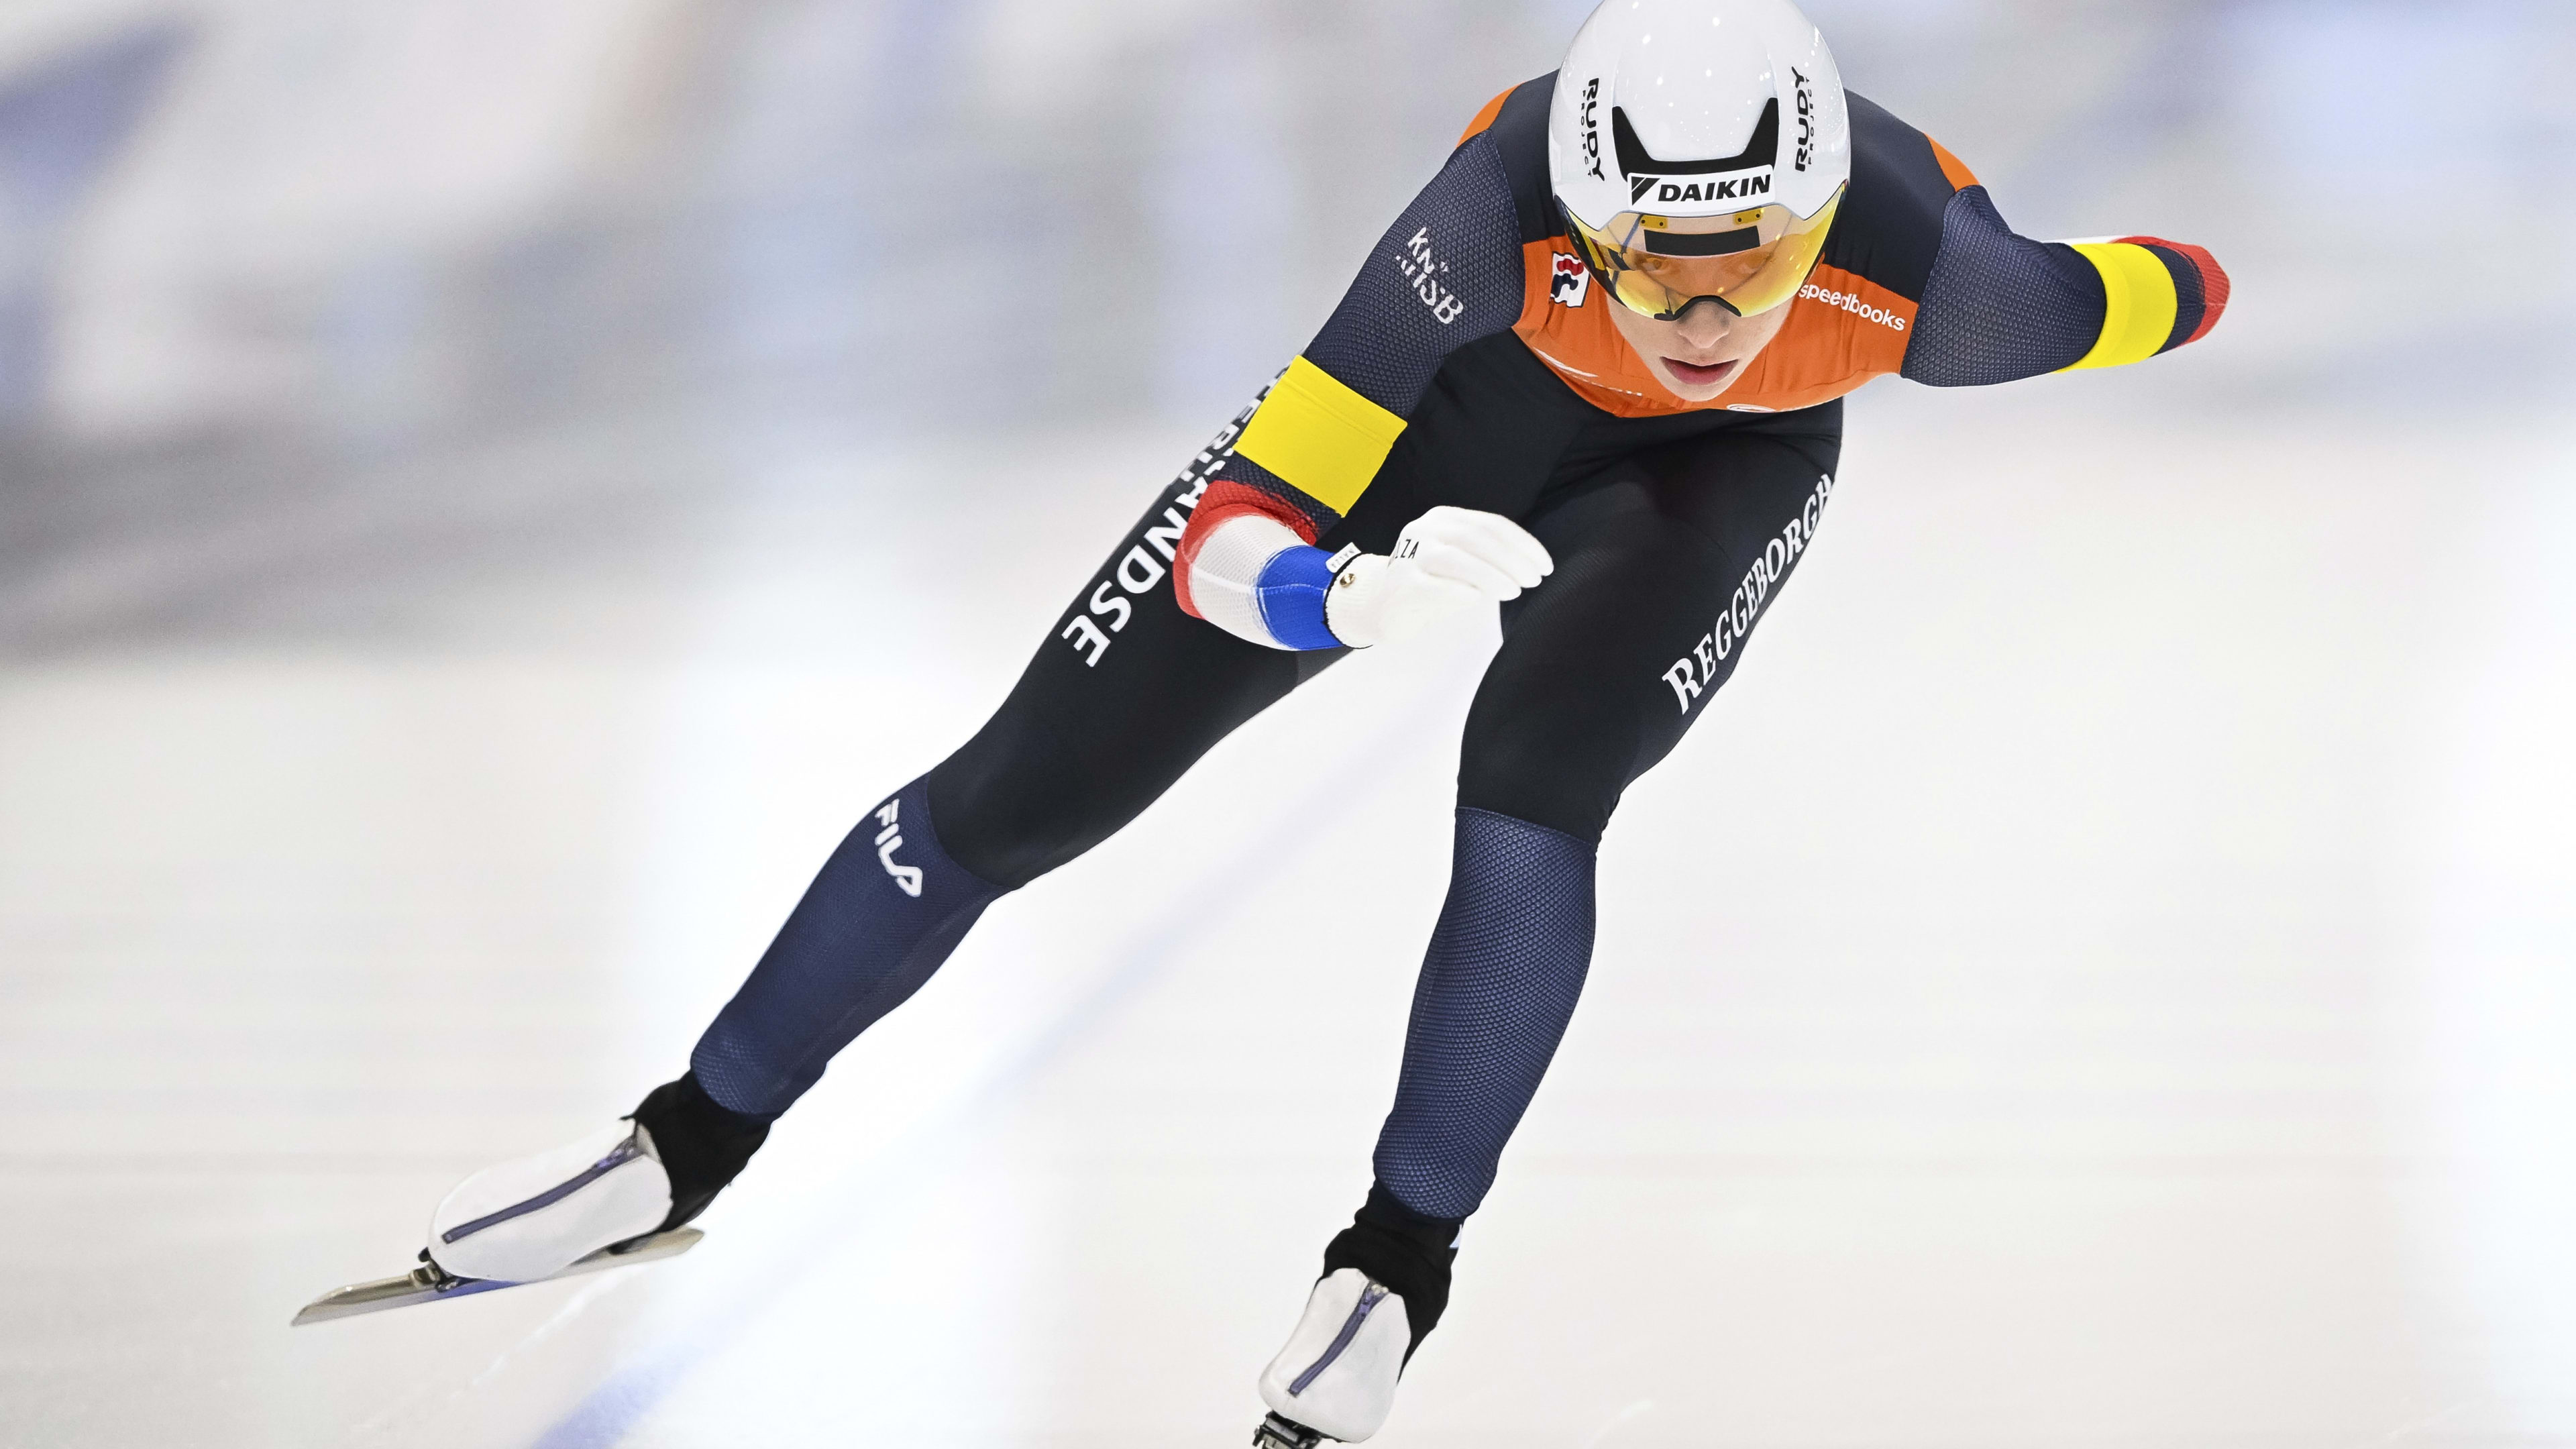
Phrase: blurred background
[489,492]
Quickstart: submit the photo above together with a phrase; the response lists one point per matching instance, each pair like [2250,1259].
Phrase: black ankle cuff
[1403,1250]
[702,1144]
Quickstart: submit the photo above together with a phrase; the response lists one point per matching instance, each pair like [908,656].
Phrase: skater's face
[1701,353]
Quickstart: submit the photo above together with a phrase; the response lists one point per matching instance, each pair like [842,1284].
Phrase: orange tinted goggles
[1748,263]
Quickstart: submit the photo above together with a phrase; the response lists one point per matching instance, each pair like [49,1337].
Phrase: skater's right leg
[1126,694]
[1583,697]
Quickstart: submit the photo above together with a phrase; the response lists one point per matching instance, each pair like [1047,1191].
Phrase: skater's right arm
[1446,274]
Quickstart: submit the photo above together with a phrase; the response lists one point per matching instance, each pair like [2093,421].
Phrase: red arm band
[1226,500]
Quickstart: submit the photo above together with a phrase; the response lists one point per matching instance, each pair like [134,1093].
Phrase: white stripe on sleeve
[1227,567]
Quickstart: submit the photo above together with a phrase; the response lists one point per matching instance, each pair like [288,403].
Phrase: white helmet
[1699,149]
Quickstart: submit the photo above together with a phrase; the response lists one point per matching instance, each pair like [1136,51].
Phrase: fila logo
[1668,191]
[890,840]
[1571,286]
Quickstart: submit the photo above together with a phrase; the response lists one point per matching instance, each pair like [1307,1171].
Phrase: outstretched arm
[2000,307]
[1447,273]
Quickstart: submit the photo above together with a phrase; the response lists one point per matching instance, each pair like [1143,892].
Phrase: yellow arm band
[1319,437]
[2143,304]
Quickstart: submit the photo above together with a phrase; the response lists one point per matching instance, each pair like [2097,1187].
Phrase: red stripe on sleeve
[1224,500]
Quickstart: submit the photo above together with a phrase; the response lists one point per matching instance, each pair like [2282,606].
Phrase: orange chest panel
[1843,330]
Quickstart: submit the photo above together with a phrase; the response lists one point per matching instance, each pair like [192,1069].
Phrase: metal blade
[1274,1432]
[428,1284]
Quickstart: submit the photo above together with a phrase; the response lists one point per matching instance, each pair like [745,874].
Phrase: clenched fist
[1447,560]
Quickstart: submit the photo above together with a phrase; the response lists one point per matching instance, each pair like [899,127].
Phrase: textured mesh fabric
[1498,986]
[856,947]
[1447,273]
[2002,307]
[1218,573]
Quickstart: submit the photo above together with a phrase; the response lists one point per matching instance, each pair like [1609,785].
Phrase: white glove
[1447,560]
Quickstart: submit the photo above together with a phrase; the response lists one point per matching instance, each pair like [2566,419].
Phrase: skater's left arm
[2000,307]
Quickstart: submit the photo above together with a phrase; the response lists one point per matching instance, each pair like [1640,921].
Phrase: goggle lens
[1636,257]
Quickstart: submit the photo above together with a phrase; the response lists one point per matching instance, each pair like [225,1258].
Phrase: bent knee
[1011,826]
[1014,803]
[1548,769]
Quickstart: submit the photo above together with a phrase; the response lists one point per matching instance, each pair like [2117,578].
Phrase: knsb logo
[1572,284]
[1671,191]
[1423,273]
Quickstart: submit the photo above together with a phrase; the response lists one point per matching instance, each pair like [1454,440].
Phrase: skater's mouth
[1692,374]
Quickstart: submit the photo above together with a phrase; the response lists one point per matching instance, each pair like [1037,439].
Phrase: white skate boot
[533,1218]
[647,1173]
[616,1197]
[1336,1378]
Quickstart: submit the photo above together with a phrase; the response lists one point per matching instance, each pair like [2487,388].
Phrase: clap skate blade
[1279,1433]
[429,1283]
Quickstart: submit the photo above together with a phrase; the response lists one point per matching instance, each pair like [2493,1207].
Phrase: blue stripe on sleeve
[1290,594]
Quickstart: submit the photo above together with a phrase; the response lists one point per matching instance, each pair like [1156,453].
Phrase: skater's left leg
[1087,740]
[1115,706]
[1665,562]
